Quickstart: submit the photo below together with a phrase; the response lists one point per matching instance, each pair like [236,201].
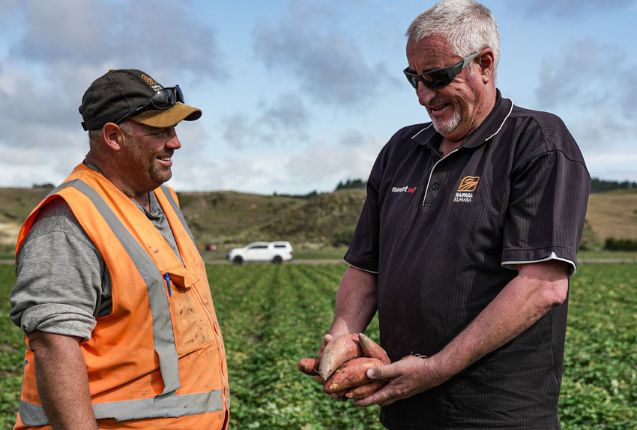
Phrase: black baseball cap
[127,94]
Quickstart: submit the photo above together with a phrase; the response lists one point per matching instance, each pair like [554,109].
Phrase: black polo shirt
[444,236]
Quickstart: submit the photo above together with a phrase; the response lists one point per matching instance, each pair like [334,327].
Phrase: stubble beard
[155,174]
[160,174]
[446,127]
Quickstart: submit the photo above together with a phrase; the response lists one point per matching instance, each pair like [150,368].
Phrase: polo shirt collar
[490,127]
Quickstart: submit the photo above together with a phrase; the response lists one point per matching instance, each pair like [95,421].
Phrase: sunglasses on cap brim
[438,78]
[163,99]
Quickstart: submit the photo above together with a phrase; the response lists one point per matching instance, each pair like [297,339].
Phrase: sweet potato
[337,352]
[372,349]
[309,365]
[363,391]
[350,374]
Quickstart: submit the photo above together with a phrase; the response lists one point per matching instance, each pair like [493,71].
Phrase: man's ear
[113,136]
[487,64]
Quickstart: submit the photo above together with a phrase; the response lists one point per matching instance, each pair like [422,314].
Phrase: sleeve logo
[466,188]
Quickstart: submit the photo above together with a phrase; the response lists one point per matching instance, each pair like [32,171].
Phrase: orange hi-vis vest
[158,360]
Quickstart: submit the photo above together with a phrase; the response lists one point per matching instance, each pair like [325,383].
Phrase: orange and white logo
[468,184]
[466,188]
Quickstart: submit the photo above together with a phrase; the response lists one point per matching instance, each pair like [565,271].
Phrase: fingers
[387,371]
[388,394]
[385,396]
[318,379]
[404,381]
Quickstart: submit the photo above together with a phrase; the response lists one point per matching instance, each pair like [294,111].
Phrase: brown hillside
[223,216]
[228,217]
[328,218]
[613,214]
[15,206]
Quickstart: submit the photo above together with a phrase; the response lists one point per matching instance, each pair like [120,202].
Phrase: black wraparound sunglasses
[161,100]
[438,78]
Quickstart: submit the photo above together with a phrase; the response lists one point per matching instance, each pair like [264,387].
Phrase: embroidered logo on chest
[405,189]
[464,193]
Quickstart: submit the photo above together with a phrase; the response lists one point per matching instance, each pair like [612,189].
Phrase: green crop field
[272,315]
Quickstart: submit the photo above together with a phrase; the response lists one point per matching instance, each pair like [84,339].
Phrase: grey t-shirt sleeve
[59,277]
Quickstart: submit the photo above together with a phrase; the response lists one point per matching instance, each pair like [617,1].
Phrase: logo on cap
[466,188]
[150,81]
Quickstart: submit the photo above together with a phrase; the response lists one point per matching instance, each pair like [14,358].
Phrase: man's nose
[425,95]
[174,142]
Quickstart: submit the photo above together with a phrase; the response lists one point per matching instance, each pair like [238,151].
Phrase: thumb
[326,339]
[382,372]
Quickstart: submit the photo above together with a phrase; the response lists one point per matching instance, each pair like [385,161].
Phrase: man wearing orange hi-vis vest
[111,290]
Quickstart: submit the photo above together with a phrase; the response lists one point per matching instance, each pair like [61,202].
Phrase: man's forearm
[528,297]
[355,302]
[62,381]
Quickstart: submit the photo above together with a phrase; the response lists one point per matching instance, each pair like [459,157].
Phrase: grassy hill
[228,218]
[15,205]
[232,218]
[613,214]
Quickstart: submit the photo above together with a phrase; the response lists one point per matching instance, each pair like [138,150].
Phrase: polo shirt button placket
[435,186]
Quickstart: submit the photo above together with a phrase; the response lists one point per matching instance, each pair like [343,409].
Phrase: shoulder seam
[551,151]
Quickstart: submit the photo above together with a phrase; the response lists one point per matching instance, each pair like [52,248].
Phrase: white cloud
[60,48]
[326,164]
[327,63]
[571,76]
[273,123]
[298,170]
[153,36]
[28,166]
[594,95]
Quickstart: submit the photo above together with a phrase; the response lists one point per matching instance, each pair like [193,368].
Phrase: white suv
[276,252]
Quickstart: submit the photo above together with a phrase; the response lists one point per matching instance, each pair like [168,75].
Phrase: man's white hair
[467,26]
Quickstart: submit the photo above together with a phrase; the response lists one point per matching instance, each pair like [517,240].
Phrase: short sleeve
[59,277]
[547,207]
[363,249]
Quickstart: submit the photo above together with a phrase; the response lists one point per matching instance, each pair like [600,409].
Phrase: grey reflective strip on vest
[177,210]
[163,338]
[168,406]
[164,341]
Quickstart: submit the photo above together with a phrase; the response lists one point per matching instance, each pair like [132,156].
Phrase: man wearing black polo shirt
[466,242]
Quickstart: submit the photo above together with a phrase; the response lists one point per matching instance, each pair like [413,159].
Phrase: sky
[297,95]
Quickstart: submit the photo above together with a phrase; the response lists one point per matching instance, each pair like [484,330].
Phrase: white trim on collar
[501,125]
[425,128]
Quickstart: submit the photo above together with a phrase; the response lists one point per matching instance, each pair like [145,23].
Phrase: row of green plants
[272,315]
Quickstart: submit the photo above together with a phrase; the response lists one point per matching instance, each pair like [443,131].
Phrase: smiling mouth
[437,107]
[165,161]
